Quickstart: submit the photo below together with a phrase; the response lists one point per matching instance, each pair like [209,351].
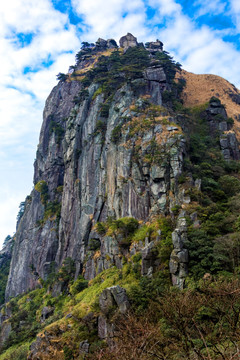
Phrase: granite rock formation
[98,159]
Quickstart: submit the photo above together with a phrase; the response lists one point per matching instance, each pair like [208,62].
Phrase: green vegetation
[22,207]
[169,65]
[82,95]
[21,211]
[5,259]
[16,352]
[122,229]
[215,203]
[57,129]
[52,209]
[5,267]
[24,320]
[203,319]
[198,323]
[94,244]
[42,188]
[116,134]
[62,77]
[117,131]
[104,112]
[112,71]
[127,231]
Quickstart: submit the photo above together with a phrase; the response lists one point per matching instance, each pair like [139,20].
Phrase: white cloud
[235,5]
[235,13]
[166,7]
[29,16]
[8,207]
[113,19]
[215,7]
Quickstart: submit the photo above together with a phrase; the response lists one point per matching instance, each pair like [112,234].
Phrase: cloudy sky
[39,39]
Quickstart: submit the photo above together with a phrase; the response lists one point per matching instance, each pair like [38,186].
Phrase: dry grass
[200,88]
[89,65]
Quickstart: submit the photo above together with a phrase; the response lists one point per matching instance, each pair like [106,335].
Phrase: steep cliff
[112,144]
[136,188]
[107,149]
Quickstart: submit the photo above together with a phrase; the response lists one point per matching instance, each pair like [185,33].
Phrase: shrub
[17,353]
[21,211]
[230,185]
[62,77]
[42,188]
[230,121]
[52,208]
[97,92]
[101,228]
[100,127]
[79,285]
[176,209]
[125,226]
[94,244]
[104,112]
[143,232]
[116,134]
[57,129]
[82,95]
[67,270]
[200,247]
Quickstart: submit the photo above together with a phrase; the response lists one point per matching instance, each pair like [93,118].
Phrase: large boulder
[84,347]
[178,264]
[128,41]
[114,296]
[5,332]
[149,259]
[154,46]
[47,311]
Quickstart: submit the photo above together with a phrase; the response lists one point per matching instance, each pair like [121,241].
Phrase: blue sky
[39,39]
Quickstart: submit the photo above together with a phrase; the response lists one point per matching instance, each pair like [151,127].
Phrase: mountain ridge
[136,184]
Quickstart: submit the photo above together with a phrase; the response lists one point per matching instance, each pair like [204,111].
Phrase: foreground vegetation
[200,322]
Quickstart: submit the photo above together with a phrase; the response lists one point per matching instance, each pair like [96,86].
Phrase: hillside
[200,88]
[128,246]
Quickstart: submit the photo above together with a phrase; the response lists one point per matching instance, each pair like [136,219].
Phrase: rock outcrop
[88,176]
[179,256]
[108,152]
[128,41]
[154,46]
[112,300]
[219,122]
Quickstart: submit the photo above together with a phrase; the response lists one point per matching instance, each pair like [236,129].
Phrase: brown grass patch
[200,88]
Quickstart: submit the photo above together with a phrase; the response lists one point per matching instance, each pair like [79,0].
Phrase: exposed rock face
[230,146]
[91,177]
[46,312]
[154,46]
[128,41]
[84,347]
[4,334]
[111,300]
[124,161]
[113,296]
[218,121]
[149,259]
[179,255]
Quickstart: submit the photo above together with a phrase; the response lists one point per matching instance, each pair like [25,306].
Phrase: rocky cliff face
[106,153]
